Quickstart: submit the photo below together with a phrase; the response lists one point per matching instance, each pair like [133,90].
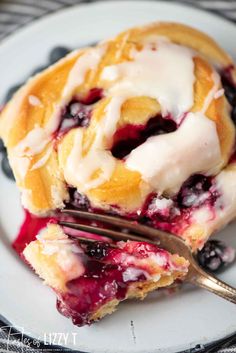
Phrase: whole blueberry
[58,53]
[6,168]
[215,255]
[233,115]
[230,93]
[2,147]
[192,190]
[97,250]
[11,91]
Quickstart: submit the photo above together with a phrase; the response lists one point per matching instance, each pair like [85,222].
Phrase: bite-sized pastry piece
[91,279]
[139,125]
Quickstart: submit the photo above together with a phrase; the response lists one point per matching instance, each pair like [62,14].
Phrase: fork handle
[213,284]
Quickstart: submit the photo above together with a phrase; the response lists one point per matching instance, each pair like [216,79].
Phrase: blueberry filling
[93,96]
[131,136]
[74,115]
[78,112]
[174,214]
[78,200]
[101,283]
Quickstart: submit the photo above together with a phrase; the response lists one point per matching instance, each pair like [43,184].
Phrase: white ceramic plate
[169,324]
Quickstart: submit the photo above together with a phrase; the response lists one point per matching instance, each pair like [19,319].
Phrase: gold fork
[196,275]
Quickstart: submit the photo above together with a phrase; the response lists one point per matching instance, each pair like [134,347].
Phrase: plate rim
[199,348]
[87,3]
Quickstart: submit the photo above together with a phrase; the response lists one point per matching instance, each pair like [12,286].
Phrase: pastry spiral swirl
[147,111]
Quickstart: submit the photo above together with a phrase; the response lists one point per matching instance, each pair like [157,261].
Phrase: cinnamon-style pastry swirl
[139,124]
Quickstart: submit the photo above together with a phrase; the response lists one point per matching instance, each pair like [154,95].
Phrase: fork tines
[122,224]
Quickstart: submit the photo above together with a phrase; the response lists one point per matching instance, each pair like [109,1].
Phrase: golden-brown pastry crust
[19,117]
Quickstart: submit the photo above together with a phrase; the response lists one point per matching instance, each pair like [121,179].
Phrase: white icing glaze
[159,259]
[112,115]
[165,71]
[42,160]
[166,74]
[219,93]
[151,73]
[156,277]
[36,139]
[211,95]
[132,274]
[35,101]
[110,73]
[166,161]
[226,185]
[161,70]
[87,61]
[79,169]
[202,215]
[66,251]
[161,204]
[33,143]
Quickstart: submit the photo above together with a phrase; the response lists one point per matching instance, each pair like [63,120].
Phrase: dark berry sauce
[197,191]
[233,157]
[105,278]
[131,136]
[32,225]
[28,231]
[86,294]
[97,250]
